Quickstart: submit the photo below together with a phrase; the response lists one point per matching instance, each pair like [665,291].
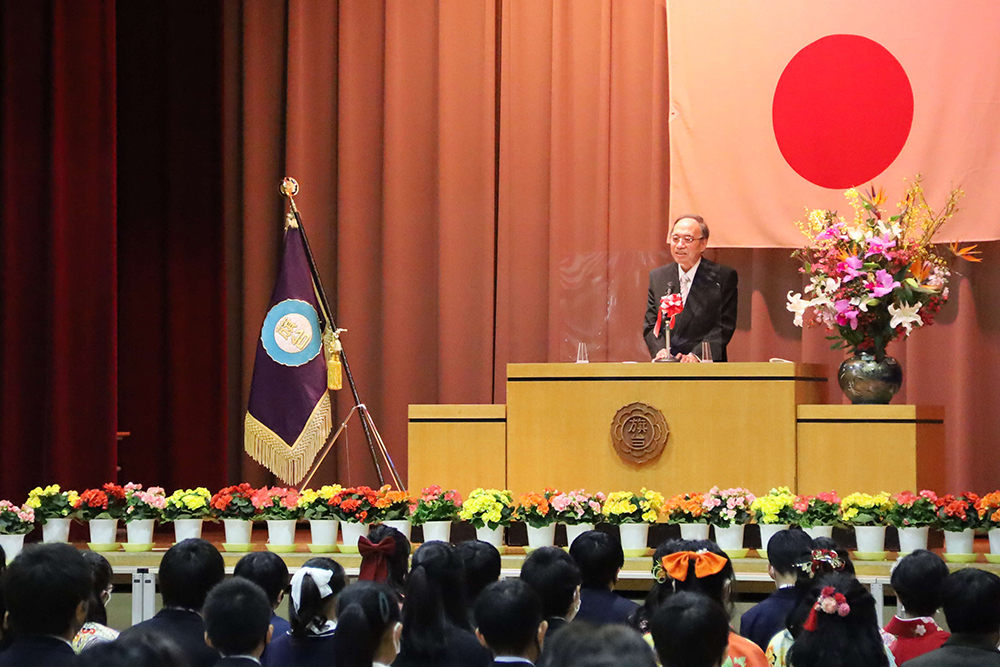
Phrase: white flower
[860,304]
[797,305]
[905,315]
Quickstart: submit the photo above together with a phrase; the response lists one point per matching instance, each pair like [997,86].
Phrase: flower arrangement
[862,509]
[988,509]
[436,504]
[728,507]
[627,507]
[535,509]
[16,520]
[107,502]
[392,505]
[576,507]
[912,510]
[315,505]
[874,279]
[354,504]
[52,502]
[685,508]
[956,513]
[233,502]
[188,504]
[775,507]
[820,510]
[148,504]
[275,503]
[488,508]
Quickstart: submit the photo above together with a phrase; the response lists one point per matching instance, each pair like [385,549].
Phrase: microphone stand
[289,187]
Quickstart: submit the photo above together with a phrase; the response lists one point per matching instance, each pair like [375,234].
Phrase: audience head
[555,576]
[482,566]
[704,569]
[971,601]
[188,572]
[46,589]
[786,550]
[690,630]
[583,645]
[267,570]
[385,556]
[100,592]
[663,585]
[139,649]
[841,629]
[828,544]
[917,580]
[237,618]
[434,598]
[368,627]
[315,587]
[509,619]
[599,557]
[822,561]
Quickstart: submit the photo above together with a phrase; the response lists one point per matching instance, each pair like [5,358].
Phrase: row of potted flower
[490,510]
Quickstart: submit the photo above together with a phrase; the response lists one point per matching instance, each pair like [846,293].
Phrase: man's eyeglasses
[675,239]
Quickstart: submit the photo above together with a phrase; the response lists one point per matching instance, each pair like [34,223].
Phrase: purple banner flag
[289,414]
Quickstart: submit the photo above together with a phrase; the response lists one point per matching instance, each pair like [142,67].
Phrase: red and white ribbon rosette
[670,305]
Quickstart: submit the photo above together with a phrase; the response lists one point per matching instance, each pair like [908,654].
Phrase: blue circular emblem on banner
[291,333]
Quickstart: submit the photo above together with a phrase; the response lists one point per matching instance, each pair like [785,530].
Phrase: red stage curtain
[57,246]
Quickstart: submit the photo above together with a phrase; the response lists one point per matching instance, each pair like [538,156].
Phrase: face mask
[395,638]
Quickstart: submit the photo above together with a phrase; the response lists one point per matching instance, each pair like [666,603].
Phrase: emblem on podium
[639,433]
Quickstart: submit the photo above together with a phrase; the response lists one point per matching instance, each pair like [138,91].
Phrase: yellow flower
[34,502]
[329,491]
[194,502]
[307,497]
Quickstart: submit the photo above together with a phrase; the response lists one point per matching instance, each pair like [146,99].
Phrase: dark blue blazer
[281,628]
[764,620]
[462,650]
[32,651]
[289,651]
[604,607]
[186,629]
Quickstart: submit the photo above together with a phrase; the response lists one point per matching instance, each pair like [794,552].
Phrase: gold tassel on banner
[334,369]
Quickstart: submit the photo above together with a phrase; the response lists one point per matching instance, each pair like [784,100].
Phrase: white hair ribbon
[321,577]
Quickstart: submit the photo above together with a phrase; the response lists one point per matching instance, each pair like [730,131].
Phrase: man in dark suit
[555,576]
[46,590]
[971,600]
[708,291]
[238,622]
[786,552]
[188,571]
[600,558]
[509,622]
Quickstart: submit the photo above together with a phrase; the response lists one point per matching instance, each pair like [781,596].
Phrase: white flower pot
[352,532]
[103,531]
[186,529]
[634,537]
[542,537]
[140,531]
[492,536]
[56,530]
[437,531]
[768,530]
[694,531]
[729,539]
[323,531]
[959,542]
[402,525]
[12,545]
[281,532]
[238,531]
[995,541]
[911,539]
[819,531]
[574,531]
[871,539]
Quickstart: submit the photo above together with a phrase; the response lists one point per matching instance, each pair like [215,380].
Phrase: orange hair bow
[676,565]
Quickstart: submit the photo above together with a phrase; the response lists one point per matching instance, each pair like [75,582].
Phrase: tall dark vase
[865,380]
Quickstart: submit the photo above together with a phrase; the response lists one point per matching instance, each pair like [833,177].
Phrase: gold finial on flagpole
[290,187]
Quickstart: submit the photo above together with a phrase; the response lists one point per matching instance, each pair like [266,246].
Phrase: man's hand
[662,354]
[688,359]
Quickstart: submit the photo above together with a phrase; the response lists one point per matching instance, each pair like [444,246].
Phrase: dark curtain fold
[57,246]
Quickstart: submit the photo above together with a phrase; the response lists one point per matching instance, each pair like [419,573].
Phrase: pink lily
[846,314]
[879,244]
[850,267]
[884,284]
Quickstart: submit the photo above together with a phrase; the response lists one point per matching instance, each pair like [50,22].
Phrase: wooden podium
[731,424]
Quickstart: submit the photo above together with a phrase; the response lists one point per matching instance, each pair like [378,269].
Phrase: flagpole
[289,187]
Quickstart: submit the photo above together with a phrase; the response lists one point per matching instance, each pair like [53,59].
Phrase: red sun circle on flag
[842,111]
